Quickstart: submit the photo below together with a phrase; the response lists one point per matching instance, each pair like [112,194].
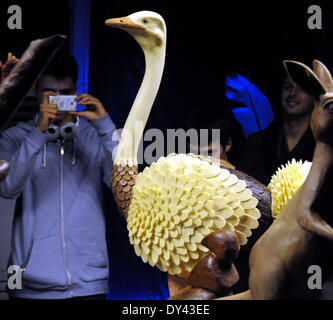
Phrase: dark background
[39,19]
[206,40]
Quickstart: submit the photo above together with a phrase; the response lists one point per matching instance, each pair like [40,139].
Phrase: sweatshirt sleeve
[21,157]
[107,132]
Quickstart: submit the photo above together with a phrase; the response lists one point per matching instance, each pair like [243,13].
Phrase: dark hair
[223,119]
[63,65]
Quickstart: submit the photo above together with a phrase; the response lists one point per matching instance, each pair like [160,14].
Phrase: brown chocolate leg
[191,293]
[215,275]
[315,224]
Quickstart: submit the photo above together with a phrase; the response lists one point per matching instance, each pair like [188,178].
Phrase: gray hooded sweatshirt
[59,238]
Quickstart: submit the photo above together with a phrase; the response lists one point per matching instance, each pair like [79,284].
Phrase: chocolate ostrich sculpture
[301,235]
[177,207]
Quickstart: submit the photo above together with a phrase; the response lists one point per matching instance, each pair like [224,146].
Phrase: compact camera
[64,103]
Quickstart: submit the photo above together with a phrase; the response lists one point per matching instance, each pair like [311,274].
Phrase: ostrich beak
[123,23]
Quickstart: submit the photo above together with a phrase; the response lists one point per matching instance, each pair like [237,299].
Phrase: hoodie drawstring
[43,165]
[44,157]
[74,153]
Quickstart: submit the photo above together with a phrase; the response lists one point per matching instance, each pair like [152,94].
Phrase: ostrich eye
[144,20]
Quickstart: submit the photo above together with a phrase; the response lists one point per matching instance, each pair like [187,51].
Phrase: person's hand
[47,112]
[8,66]
[95,109]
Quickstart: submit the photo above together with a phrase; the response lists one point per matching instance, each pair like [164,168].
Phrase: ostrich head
[146,27]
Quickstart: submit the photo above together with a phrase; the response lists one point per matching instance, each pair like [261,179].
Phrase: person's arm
[105,128]
[21,159]
[21,154]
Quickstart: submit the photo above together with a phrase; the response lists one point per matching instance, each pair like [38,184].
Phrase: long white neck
[137,119]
